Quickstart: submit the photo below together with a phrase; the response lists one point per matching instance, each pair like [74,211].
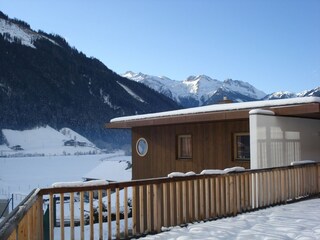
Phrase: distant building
[17,148]
[70,143]
[75,143]
[82,144]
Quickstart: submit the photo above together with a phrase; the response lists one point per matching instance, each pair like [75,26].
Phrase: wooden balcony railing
[126,209]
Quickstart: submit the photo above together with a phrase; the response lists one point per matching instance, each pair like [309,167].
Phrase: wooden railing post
[149,207]
[196,199]
[318,177]
[157,198]
[212,198]
[61,216]
[165,205]
[218,196]
[201,199]
[134,210]
[100,214]
[51,216]
[190,201]
[207,198]
[82,215]
[178,202]
[72,215]
[184,202]
[118,212]
[126,212]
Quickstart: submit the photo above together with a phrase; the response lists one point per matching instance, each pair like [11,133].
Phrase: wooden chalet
[224,135]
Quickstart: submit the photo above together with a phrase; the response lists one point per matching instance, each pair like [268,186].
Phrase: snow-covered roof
[109,170]
[221,108]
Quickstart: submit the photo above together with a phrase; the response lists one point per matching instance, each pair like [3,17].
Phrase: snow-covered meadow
[45,141]
[18,176]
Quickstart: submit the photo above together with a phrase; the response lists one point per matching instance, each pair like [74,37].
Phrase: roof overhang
[307,108]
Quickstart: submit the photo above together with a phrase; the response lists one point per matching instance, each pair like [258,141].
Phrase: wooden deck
[157,203]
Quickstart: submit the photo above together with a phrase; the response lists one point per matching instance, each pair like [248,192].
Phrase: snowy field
[18,176]
[45,141]
[293,221]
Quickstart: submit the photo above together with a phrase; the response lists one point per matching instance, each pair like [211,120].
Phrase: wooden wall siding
[212,148]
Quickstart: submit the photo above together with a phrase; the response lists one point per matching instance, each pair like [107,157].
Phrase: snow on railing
[107,210]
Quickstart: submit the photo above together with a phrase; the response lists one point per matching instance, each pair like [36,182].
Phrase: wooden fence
[145,206]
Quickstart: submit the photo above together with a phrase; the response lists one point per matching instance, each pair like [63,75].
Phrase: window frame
[179,147]
[146,147]
[235,146]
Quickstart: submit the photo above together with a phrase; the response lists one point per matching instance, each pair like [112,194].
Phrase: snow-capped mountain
[284,94]
[198,90]
[310,93]
[280,95]
[203,90]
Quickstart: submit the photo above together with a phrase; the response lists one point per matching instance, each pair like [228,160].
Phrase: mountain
[198,90]
[311,93]
[280,95]
[284,94]
[44,81]
[202,90]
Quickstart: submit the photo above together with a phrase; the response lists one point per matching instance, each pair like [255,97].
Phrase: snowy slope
[243,88]
[44,141]
[195,90]
[164,85]
[13,32]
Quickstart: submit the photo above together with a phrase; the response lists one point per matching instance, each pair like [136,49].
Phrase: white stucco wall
[278,141]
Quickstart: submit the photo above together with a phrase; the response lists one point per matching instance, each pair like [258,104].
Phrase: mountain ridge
[198,90]
[201,90]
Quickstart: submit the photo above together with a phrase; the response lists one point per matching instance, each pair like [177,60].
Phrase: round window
[142,147]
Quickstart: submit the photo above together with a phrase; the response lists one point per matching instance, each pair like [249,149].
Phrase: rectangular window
[184,147]
[242,146]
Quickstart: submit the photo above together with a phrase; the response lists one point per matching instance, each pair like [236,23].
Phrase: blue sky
[272,44]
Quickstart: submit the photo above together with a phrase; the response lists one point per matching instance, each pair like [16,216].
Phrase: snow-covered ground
[293,221]
[18,176]
[45,141]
